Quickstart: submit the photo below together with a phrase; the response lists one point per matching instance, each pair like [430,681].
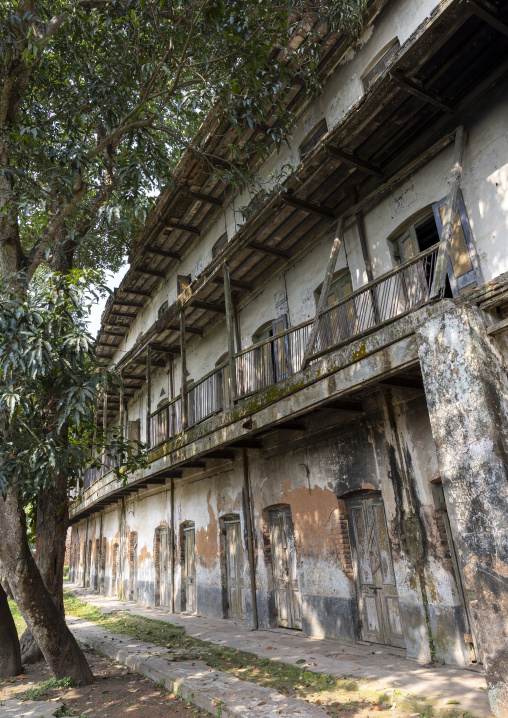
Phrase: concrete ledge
[218,693]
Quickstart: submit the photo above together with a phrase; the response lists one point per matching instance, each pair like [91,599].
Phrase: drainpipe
[250,542]
[172,557]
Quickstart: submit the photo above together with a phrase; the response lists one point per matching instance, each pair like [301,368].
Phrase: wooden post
[368,266]
[250,540]
[443,257]
[104,426]
[330,268]
[122,409]
[230,328]
[363,244]
[148,391]
[173,548]
[183,357]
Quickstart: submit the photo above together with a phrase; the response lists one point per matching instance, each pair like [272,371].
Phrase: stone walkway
[29,709]
[219,693]
[381,666]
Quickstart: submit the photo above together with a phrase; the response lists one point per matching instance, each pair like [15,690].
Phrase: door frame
[388,636]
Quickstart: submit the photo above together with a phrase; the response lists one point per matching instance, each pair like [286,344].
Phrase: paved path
[214,691]
[381,666]
[29,709]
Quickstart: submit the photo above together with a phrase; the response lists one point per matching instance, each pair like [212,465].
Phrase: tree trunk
[10,657]
[43,618]
[52,525]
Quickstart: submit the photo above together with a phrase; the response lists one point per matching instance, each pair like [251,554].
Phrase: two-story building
[320,372]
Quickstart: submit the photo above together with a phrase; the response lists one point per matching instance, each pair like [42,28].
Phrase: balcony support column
[323,297]
[148,391]
[183,356]
[230,328]
[104,426]
[443,257]
[122,408]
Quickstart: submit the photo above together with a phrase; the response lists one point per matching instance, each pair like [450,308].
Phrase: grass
[18,618]
[40,689]
[334,694]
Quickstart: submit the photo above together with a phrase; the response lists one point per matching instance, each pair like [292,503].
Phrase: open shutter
[281,348]
[463,268]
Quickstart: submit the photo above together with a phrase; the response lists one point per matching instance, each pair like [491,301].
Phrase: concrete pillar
[466,384]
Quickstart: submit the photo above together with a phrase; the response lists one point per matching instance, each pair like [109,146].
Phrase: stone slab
[214,691]
[383,667]
[29,709]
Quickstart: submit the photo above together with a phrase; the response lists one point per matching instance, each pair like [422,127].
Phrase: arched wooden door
[378,600]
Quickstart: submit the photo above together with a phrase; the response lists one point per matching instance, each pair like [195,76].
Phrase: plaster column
[466,384]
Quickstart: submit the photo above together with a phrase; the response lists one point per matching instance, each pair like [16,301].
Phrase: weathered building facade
[338,464]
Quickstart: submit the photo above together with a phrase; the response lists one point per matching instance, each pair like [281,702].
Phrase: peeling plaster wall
[313,473]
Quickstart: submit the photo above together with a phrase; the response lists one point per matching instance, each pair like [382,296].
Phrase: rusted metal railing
[395,293]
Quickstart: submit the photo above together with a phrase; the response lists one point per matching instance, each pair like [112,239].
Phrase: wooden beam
[238,284]
[443,257]
[190,330]
[170,226]
[127,303]
[165,349]
[355,161]
[344,405]
[203,197]
[133,377]
[183,381]
[140,360]
[413,89]
[307,206]
[111,333]
[221,454]
[498,328]
[258,247]
[209,306]
[487,16]
[403,382]
[323,297]
[151,272]
[230,329]
[139,292]
[193,464]
[124,315]
[162,252]
[247,444]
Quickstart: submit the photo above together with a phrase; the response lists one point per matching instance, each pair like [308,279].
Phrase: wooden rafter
[411,87]
[258,247]
[162,252]
[355,161]
[170,226]
[307,206]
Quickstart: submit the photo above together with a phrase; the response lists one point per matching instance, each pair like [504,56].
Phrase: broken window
[273,357]
[163,308]
[463,269]
[380,64]
[313,138]
[219,244]
[182,282]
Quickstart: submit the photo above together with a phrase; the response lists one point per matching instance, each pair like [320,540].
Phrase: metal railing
[393,294]
[208,395]
[91,475]
[274,359]
[271,360]
[166,422]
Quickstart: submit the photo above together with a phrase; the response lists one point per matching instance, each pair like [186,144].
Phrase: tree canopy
[99,99]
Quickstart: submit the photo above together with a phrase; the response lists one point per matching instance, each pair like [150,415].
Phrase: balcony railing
[390,296]
[91,475]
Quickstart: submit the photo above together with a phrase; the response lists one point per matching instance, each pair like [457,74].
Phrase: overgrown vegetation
[40,690]
[337,695]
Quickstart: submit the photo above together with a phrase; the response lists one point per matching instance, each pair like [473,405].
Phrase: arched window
[219,244]
[380,63]
[313,138]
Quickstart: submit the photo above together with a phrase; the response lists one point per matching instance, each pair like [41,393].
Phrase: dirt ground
[117,692]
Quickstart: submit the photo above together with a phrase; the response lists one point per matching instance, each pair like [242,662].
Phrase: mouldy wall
[484,184]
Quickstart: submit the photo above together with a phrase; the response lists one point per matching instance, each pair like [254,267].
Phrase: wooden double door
[378,600]
[235,607]
[284,566]
[189,538]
